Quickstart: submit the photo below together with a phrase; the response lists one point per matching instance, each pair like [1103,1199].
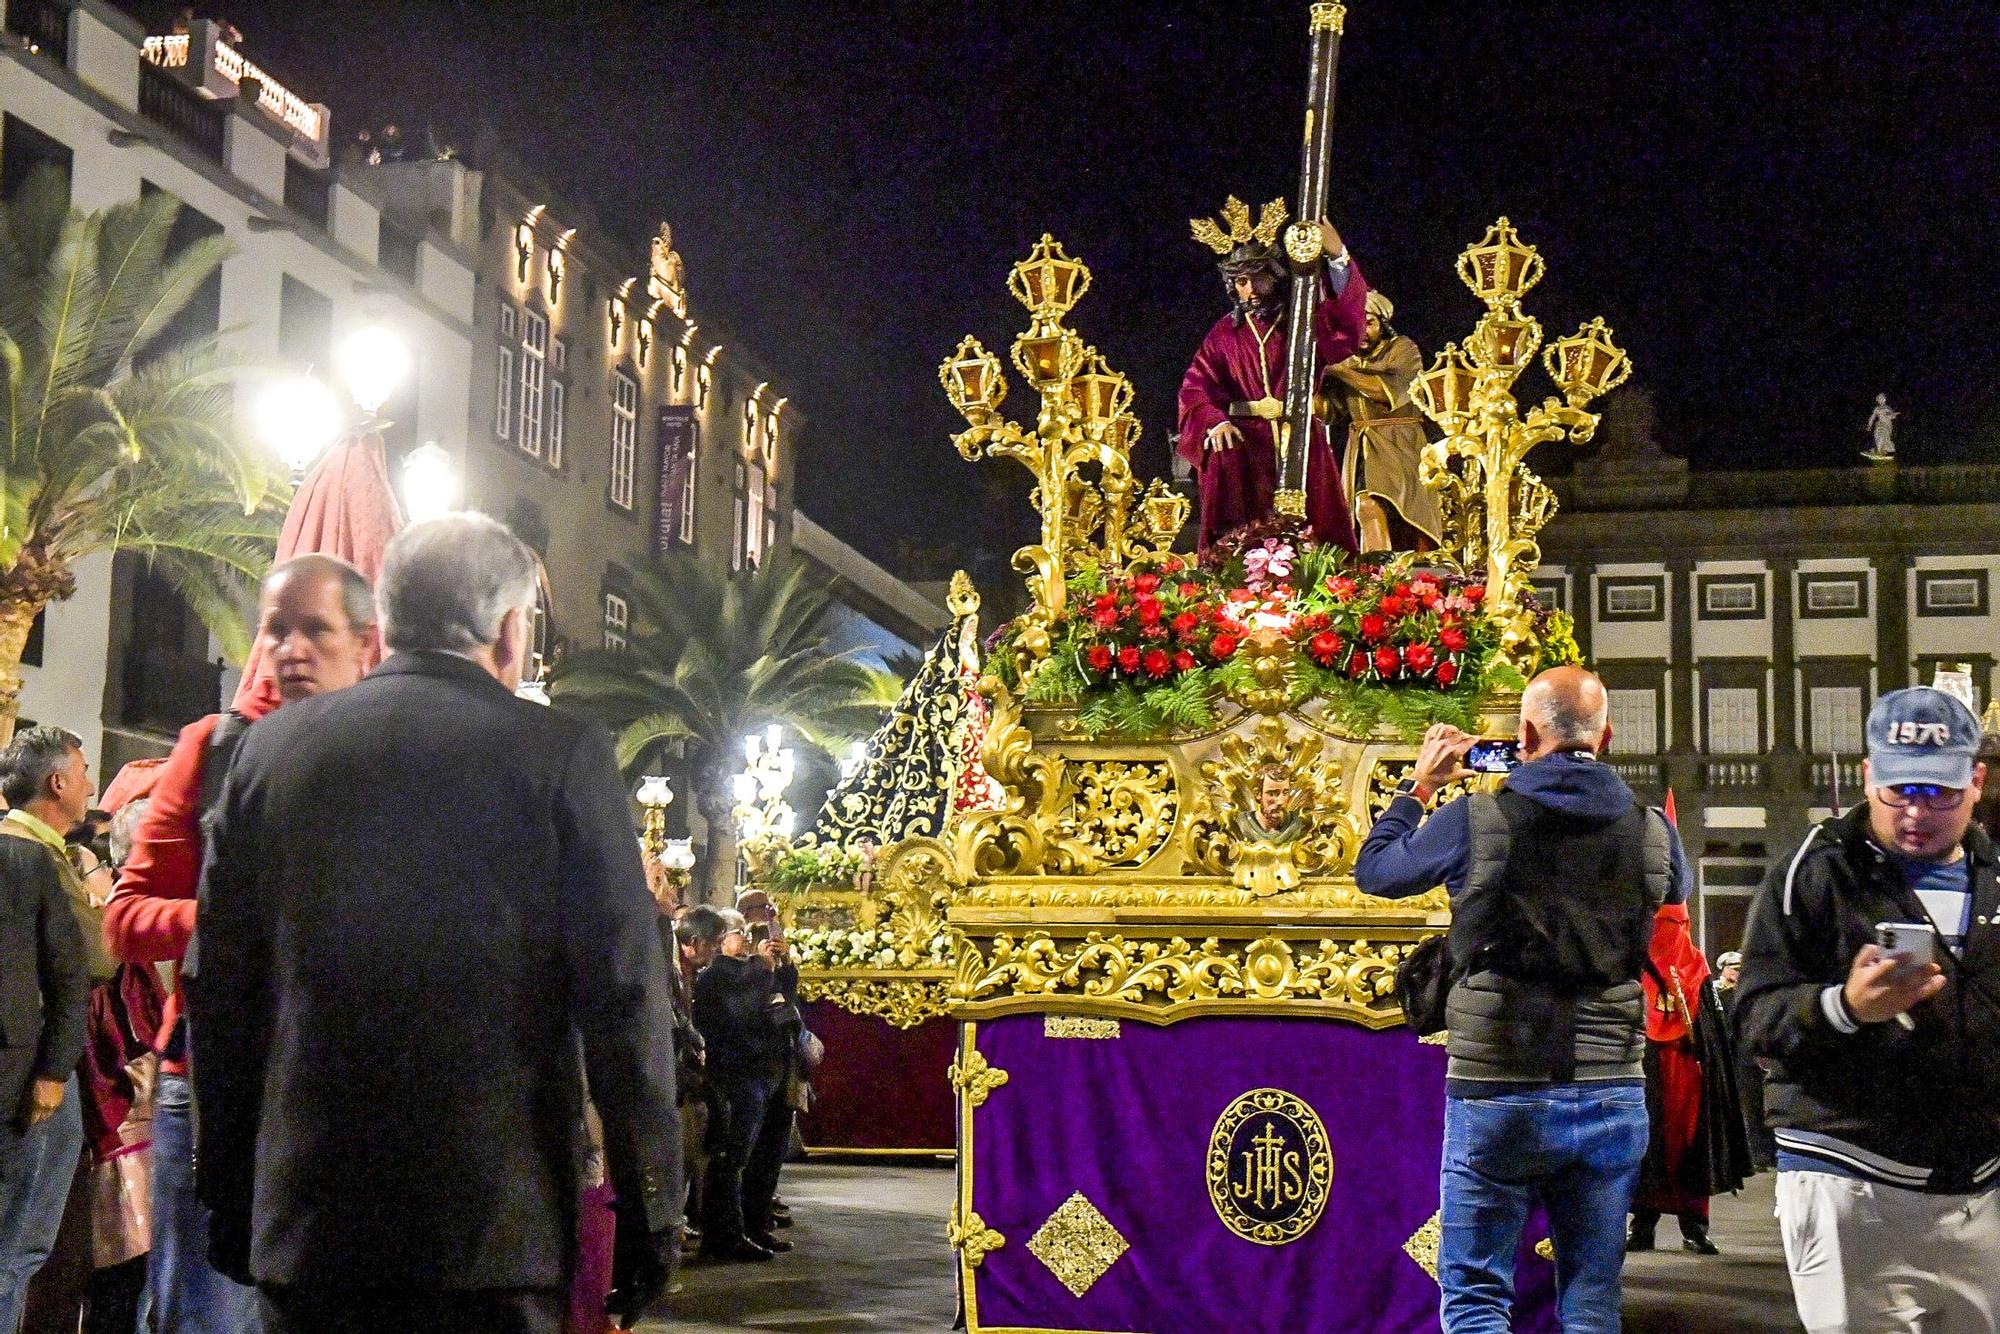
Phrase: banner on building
[679,437]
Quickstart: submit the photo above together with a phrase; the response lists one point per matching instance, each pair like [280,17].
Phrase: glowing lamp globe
[654,792]
[299,417]
[431,483]
[678,855]
[374,361]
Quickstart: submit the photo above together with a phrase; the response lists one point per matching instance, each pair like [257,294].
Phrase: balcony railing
[1641,774]
[1742,775]
[43,24]
[1820,775]
[188,114]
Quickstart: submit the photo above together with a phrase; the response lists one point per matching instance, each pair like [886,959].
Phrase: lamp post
[655,795]
[764,821]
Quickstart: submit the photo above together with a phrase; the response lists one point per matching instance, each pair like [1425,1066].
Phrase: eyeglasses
[1929,796]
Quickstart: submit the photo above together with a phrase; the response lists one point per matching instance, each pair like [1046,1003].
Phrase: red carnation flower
[1173,565]
[1325,646]
[1387,660]
[1184,661]
[1146,585]
[1392,606]
[1149,611]
[1402,590]
[1453,639]
[1105,618]
[1374,627]
[1447,672]
[1420,657]
[1341,587]
[1186,623]
[1357,665]
[1476,593]
[1105,602]
[1128,659]
[1223,647]
[1190,590]
[1158,663]
[1099,658]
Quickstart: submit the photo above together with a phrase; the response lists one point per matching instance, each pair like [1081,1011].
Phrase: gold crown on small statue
[1236,230]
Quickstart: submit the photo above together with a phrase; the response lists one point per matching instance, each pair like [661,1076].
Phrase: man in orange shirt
[317,620]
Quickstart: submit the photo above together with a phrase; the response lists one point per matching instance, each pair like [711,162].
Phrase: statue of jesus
[1232,398]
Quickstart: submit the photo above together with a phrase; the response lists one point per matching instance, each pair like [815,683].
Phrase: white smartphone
[1908,942]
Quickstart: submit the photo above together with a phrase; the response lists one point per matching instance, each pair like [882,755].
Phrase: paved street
[871,1257]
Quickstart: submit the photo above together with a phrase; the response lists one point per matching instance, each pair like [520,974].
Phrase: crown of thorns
[1236,229]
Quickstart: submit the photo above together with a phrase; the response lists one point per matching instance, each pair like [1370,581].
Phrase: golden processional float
[1184,1099]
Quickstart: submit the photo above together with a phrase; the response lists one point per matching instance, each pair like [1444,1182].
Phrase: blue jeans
[188,1296]
[36,1173]
[1575,1146]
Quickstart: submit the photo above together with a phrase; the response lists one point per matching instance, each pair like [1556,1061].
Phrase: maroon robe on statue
[1238,485]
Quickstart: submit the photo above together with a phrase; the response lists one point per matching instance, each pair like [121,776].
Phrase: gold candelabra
[1079,449]
[1494,505]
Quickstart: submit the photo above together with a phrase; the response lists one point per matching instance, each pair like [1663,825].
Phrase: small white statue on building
[1882,426]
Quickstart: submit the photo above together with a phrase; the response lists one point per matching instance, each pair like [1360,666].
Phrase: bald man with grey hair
[1554,880]
[424,921]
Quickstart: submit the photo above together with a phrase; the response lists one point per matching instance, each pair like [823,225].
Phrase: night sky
[1781,209]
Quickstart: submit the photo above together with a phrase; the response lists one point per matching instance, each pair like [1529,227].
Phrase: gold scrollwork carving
[971,1238]
[1155,974]
[900,1002]
[1080,1026]
[1124,810]
[1262,851]
[976,1077]
[1077,1244]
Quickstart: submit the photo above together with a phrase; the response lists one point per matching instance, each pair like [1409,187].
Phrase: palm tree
[108,442]
[712,657]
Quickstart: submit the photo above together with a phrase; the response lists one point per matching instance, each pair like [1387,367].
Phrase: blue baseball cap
[1921,735]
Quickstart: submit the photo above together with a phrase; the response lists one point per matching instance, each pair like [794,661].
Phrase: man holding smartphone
[1871,990]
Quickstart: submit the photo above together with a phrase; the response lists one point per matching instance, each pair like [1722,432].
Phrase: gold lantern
[1587,363]
[1048,282]
[973,382]
[1444,392]
[1500,269]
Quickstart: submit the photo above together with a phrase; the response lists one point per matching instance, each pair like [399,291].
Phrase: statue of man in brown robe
[1393,511]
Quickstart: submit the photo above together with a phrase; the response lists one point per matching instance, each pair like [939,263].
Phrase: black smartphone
[760,933]
[1493,757]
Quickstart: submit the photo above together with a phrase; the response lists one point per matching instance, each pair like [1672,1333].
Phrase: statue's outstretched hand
[1329,239]
[1224,435]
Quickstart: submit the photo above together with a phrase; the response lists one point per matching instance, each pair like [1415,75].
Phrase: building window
[1735,725]
[1833,595]
[624,436]
[503,379]
[770,515]
[305,325]
[534,375]
[1631,599]
[558,397]
[1730,598]
[686,533]
[617,622]
[1635,722]
[738,510]
[1952,592]
[1549,592]
[755,496]
[1837,720]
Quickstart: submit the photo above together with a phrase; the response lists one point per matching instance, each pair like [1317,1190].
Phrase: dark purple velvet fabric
[1126,1121]
[881,1087]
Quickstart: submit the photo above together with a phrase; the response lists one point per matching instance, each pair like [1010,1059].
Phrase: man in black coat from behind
[423,923]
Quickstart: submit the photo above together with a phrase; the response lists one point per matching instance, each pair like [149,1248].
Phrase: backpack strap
[219,756]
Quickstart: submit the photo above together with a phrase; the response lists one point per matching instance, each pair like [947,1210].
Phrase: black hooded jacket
[1921,1103]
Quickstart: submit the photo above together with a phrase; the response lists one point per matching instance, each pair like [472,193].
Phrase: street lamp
[764,822]
[299,417]
[430,482]
[374,361]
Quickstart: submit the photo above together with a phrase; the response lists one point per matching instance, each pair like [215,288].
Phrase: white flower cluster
[872,948]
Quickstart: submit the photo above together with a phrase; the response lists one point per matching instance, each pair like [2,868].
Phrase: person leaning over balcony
[316,618]
[1554,882]
[1884,1068]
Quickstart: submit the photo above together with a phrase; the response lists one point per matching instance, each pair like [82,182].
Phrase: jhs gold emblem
[1269,1167]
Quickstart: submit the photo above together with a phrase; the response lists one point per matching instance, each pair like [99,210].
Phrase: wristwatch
[1410,788]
